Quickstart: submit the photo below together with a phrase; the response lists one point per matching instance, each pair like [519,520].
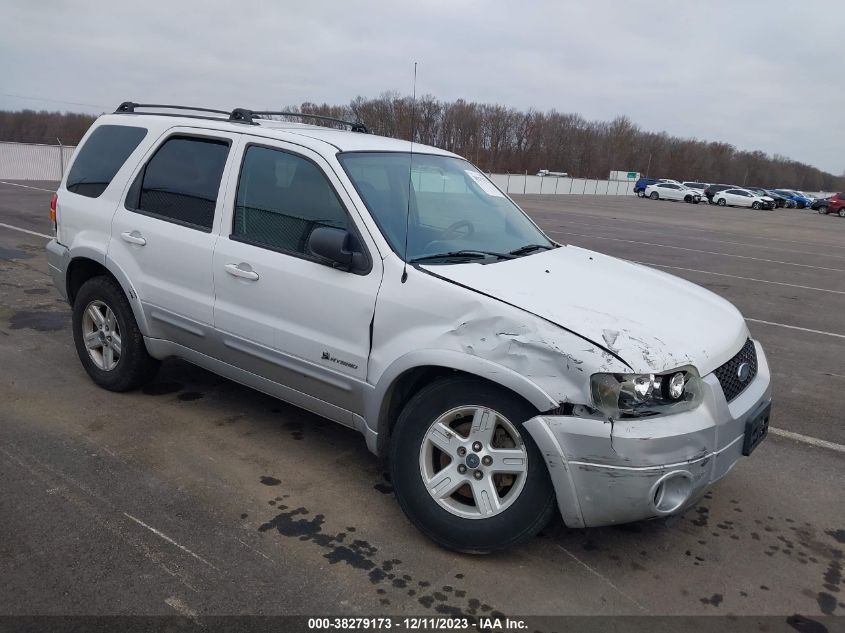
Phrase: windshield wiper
[464,254]
[528,248]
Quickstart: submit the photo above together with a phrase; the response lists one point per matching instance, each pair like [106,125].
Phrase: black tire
[822,210]
[135,366]
[640,193]
[722,202]
[842,212]
[527,514]
[688,199]
[755,206]
[654,195]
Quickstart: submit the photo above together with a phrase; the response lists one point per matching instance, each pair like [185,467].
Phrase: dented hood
[651,320]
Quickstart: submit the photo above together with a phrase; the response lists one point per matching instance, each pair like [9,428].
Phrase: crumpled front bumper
[637,469]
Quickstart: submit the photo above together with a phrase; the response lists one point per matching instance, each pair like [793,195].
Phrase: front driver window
[281,199]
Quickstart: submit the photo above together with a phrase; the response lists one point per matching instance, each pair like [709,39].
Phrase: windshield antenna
[410,173]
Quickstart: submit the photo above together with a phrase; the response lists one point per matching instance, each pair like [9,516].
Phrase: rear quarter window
[100,158]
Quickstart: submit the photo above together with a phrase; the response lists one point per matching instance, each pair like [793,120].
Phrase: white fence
[30,161]
[520,183]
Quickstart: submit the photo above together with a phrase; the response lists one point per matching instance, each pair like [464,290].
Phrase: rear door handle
[133,238]
[242,270]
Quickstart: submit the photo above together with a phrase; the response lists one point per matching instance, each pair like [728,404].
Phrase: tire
[721,202]
[822,210]
[688,199]
[842,212]
[640,193]
[456,521]
[654,195]
[133,366]
[755,206]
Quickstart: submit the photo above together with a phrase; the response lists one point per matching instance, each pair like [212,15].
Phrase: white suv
[395,290]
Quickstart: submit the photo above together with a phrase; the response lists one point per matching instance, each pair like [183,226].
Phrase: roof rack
[247,116]
[128,107]
[238,115]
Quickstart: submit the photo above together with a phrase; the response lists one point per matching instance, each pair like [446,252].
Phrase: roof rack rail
[247,116]
[128,107]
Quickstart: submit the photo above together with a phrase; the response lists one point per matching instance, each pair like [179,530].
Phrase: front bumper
[607,473]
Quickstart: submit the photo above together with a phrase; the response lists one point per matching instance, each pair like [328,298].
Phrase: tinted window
[181,181]
[100,158]
[281,199]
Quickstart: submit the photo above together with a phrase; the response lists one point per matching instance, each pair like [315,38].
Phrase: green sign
[632,174]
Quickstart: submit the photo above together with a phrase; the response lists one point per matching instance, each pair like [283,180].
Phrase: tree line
[52,128]
[506,140]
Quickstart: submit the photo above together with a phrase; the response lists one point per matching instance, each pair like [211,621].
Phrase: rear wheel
[823,210]
[465,471]
[654,195]
[842,212]
[721,202]
[108,341]
[756,206]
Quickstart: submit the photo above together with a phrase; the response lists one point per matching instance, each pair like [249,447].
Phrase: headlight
[637,395]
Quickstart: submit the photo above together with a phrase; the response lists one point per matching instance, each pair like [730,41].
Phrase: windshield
[454,208]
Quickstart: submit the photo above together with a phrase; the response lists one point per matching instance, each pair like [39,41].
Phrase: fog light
[671,492]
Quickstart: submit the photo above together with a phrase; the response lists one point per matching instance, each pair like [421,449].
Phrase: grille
[727,373]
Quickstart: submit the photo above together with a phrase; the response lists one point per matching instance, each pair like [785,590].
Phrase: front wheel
[755,206]
[108,341]
[822,210]
[721,202]
[654,195]
[465,471]
[842,212]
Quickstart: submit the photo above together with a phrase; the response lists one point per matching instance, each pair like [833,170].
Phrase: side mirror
[338,246]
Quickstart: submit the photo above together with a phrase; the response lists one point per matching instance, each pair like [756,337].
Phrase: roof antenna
[410,173]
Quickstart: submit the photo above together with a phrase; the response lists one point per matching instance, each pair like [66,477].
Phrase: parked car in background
[711,190]
[669,180]
[833,204]
[672,191]
[779,201]
[821,202]
[742,198]
[800,201]
[641,184]
[788,202]
[696,186]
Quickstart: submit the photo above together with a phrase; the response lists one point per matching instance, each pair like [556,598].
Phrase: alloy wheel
[101,334]
[473,462]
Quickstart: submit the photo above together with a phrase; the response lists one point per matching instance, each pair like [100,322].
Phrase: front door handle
[242,270]
[133,238]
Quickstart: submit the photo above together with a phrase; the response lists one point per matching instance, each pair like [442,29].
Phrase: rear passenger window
[181,181]
[281,199]
[100,158]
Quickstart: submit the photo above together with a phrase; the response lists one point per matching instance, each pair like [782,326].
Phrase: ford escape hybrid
[395,290]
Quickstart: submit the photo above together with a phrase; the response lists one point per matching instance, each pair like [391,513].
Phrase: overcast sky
[759,74]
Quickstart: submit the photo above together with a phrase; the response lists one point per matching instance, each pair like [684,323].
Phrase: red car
[834,204]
